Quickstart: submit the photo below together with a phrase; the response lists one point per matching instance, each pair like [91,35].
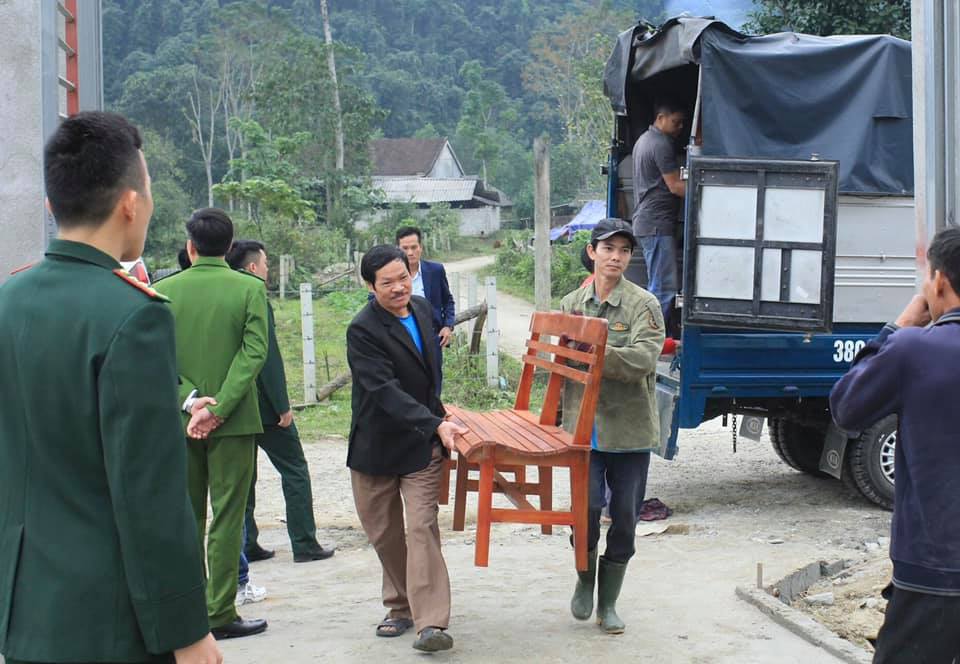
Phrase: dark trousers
[919,629]
[626,475]
[660,254]
[286,454]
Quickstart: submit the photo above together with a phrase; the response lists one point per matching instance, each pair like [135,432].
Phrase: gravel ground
[731,511]
[856,608]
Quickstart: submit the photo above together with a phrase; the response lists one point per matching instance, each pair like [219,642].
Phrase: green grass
[331,315]
[464,381]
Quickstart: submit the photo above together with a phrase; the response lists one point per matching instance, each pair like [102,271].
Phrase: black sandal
[432,639]
[391,627]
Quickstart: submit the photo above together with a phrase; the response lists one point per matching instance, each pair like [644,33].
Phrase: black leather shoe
[238,628]
[257,552]
[318,553]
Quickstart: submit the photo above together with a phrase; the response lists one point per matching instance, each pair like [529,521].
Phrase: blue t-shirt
[410,323]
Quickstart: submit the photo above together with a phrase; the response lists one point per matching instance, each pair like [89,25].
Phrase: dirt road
[678,600]
[513,313]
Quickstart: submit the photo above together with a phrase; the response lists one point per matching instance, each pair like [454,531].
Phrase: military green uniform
[285,451]
[99,556]
[221,328]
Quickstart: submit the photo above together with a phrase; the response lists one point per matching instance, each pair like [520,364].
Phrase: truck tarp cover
[788,96]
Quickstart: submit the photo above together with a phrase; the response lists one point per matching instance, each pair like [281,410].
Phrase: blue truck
[799,153]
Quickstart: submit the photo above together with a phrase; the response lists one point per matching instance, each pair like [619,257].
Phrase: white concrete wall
[475,222]
[22,230]
[446,165]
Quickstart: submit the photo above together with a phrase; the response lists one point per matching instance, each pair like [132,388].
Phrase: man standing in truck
[658,195]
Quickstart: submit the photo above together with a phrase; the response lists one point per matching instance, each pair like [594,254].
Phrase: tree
[486,120]
[205,101]
[293,96]
[566,71]
[332,65]
[172,204]
[832,17]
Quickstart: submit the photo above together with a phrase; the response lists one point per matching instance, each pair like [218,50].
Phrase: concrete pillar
[31,101]
[22,34]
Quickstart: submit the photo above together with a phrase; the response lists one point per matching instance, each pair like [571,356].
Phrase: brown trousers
[415,581]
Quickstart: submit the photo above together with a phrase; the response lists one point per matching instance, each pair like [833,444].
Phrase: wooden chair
[507,441]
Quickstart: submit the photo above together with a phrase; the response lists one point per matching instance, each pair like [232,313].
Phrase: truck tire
[798,445]
[776,441]
[870,461]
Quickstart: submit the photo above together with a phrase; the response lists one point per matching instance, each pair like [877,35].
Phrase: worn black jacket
[396,410]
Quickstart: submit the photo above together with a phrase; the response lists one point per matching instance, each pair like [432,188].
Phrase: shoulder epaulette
[23,267]
[139,285]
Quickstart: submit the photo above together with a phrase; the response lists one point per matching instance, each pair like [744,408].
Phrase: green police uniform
[221,329]
[99,556]
[285,451]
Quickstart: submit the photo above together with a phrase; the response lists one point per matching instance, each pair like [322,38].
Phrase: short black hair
[90,161]
[244,252]
[944,255]
[183,259]
[377,257]
[404,231]
[668,106]
[211,231]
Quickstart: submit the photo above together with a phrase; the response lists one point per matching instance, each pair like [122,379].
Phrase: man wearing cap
[626,426]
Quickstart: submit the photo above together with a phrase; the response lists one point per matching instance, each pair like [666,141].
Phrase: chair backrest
[584,341]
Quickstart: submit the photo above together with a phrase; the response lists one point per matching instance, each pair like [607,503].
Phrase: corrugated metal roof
[426,190]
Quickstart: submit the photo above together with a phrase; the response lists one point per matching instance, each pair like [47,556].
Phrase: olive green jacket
[99,554]
[626,418]
[221,323]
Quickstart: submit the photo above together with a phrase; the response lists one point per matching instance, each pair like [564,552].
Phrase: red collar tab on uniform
[139,285]
[23,267]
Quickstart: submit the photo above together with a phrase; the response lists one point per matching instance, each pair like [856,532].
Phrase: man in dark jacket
[280,438]
[429,280]
[398,441]
[911,369]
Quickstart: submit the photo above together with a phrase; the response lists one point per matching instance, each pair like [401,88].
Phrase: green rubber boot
[581,606]
[609,582]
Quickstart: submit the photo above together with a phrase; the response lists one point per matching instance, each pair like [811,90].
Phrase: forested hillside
[235,98]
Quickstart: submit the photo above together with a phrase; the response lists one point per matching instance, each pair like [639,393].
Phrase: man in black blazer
[398,441]
[429,280]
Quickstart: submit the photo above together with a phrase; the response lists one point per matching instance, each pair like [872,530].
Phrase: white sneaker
[250,593]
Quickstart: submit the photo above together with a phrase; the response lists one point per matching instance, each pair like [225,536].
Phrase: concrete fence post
[493,335]
[309,351]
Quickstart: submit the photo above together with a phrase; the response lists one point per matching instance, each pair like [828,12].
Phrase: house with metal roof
[426,172]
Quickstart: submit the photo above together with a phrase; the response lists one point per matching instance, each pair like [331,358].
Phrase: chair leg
[545,475]
[579,497]
[485,504]
[460,493]
[444,498]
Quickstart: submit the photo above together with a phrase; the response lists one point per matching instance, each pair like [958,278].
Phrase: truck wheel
[870,461]
[776,441]
[798,445]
